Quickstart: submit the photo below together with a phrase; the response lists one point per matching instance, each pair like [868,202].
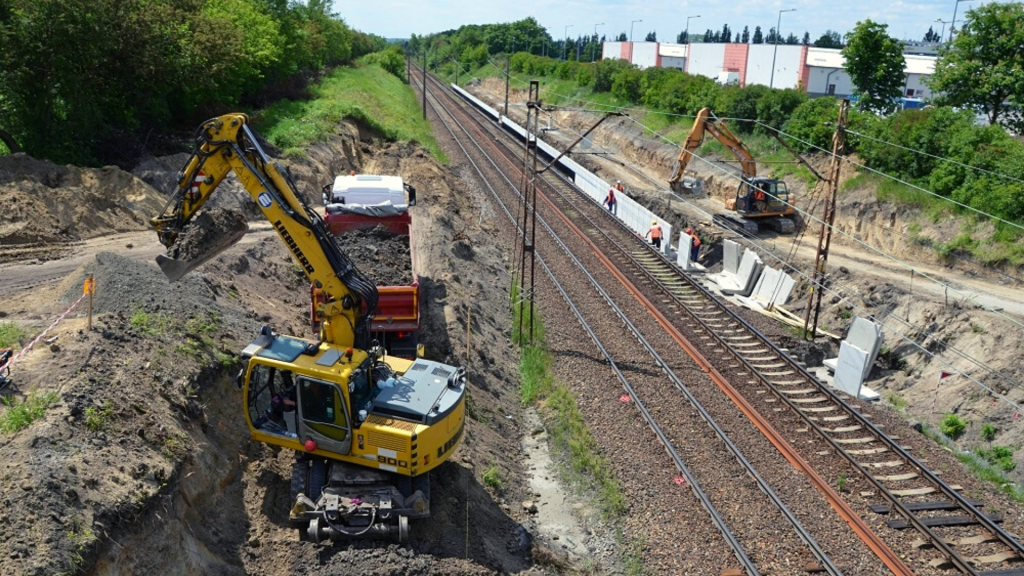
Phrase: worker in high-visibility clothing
[654,234]
[694,245]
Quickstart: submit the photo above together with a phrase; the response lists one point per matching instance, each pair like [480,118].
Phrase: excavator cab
[763,197]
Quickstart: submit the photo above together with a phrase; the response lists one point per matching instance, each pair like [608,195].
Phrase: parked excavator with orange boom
[758,202]
[366,427]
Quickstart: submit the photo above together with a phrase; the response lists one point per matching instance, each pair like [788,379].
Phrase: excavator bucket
[205,237]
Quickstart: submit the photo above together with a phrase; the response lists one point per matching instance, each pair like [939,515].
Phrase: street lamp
[593,53]
[565,45]
[943,33]
[631,30]
[953,23]
[688,29]
[778,34]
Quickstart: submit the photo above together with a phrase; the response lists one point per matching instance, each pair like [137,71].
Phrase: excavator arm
[706,122]
[225,144]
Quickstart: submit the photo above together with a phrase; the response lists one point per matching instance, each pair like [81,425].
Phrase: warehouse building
[817,71]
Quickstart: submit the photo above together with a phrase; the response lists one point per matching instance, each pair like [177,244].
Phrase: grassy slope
[366,93]
[1002,246]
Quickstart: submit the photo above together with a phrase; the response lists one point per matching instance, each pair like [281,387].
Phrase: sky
[907,19]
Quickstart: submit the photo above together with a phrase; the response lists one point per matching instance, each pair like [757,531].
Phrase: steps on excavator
[748,226]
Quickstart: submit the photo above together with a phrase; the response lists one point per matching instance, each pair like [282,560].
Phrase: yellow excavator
[758,201]
[366,427]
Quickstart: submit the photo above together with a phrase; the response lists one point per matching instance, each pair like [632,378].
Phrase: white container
[368,189]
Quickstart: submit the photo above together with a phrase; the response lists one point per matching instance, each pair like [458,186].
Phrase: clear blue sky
[399,18]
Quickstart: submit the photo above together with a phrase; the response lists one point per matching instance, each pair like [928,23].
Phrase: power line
[922,152]
[894,178]
[786,263]
[869,315]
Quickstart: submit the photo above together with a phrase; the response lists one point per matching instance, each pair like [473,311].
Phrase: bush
[775,106]
[999,456]
[627,85]
[952,425]
[814,121]
[988,432]
[391,60]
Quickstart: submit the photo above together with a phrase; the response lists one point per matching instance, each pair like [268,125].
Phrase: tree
[746,34]
[931,36]
[726,34]
[621,37]
[773,37]
[709,36]
[716,37]
[874,61]
[792,39]
[829,39]
[682,38]
[651,37]
[758,38]
[981,68]
[807,38]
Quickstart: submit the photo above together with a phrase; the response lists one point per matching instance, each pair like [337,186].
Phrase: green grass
[998,456]
[17,415]
[96,417]
[150,324]
[493,479]
[988,432]
[367,94]
[899,403]
[12,335]
[841,482]
[565,422]
[978,465]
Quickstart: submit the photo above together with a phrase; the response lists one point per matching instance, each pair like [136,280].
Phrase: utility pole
[952,24]
[829,216]
[631,30]
[424,82]
[593,51]
[508,66]
[771,83]
[565,43]
[687,34]
[526,251]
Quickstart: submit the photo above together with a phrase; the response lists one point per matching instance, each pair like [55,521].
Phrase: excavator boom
[366,427]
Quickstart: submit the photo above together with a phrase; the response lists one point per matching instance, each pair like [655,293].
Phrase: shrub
[814,121]
[999,456]
[952,425]
[492,478]
[392,60]
[988,432]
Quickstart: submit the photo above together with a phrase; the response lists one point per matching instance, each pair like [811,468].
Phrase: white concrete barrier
[850,369]
[732,251]
[683,250]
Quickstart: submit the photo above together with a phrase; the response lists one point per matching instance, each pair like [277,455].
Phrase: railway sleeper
[925,506]
[942,521]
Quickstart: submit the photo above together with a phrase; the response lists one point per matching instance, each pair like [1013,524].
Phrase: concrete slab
[868,336]
[731,253]
[746,278]
[850,369]
[683,251]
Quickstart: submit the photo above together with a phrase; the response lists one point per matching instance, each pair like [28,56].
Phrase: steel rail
[801,532]
[704,499]
[897,506]
[885,554]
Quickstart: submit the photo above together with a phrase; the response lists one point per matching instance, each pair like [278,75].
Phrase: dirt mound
[382,256]
[206,231]
[47,203]
[162,174]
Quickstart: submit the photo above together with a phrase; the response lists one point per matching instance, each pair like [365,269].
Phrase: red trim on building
[735,60]
[626,51]
[657,54]
[805,70]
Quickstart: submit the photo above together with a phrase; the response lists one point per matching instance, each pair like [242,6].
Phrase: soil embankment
[142,463]
[974,326]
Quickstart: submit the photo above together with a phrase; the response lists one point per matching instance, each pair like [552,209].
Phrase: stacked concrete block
[857,354]
[743,281]
[773,288]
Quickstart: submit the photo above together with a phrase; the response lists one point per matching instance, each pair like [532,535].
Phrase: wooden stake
[92,290]
[469,324]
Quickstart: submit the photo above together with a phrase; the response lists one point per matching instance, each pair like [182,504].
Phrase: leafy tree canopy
[875,63]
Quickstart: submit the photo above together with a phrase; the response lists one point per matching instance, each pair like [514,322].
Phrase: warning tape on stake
[43,333]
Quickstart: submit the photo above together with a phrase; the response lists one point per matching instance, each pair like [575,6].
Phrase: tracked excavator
[366,428]
[759,202]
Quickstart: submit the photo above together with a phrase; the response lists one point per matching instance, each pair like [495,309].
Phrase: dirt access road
[18,276]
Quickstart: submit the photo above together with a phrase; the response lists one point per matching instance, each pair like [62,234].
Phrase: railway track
[962,536]
[713,458]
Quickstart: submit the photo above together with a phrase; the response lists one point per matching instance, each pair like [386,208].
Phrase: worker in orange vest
[694,245]
[655,234]
[611,202]
[618,186]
